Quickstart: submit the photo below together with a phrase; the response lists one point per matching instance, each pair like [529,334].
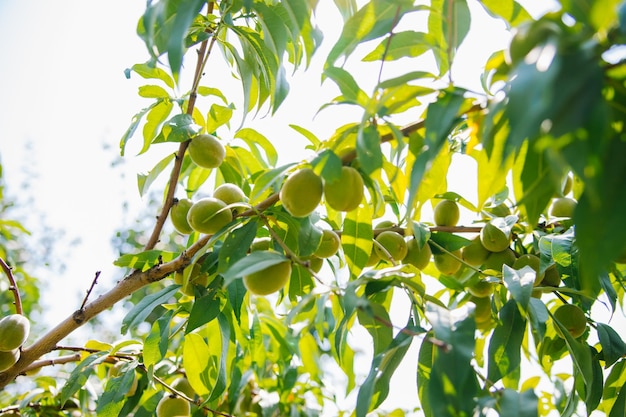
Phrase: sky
[65,103]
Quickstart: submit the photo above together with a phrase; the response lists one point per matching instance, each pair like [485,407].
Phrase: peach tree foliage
[551,113]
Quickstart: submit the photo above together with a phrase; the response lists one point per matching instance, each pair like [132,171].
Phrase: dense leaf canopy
[473,310]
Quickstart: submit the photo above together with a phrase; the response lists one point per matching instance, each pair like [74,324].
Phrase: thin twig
[93,284]
[51,362]
[13,286]
[185,397]
[180,154]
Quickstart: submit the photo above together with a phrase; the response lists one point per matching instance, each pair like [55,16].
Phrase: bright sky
[65,103]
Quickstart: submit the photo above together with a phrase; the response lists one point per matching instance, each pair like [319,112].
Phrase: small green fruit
[572,318]
[14,330]
[374,258]
[182,384]
[268,280]
[229,194]
[302,192]
[8,359]
[563,207]
[482,312]
[329,244]
[446,213]
[209,215]
[206,151]
[496,260]
[416,256]
[178,216]
[528,259]
[315,263]
[172,406]
[481,289]
[261,243]
[493,238]
[393,243]
[346,193]
[446,264]
[475,253]
[552,278]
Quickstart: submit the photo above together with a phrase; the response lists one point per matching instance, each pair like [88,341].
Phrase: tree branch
[13,286]
[180,154]
[124,288]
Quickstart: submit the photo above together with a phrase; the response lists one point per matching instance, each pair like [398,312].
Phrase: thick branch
[124,288]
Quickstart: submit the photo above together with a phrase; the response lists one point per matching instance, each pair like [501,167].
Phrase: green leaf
[134,124]
[600,226]
[153,91]
[401,45]
[205,309]
[147,304]
[300,283]
[441,117]
[267,180]
[255,140]
[155,345]
[349,88]
[328,165]
[449,241]
[614,393]
[375,319]
[218,115]
[346,7]
[115,393]
[148,71]
[254,262]
[178,129]
[211,91]
[375,388]
[506,343]
[426,358]
[368,149]
[236,245]
[520,284]
[581,355]
[144,181]
[449,23]
[186,12]
[307,134]
[534,182]
[613,347]
[155,118]
[453,384]
[219,386]
[274,30]
[196,355]
[309,236]
[515,404]
[403,80]
[80,374]
[357,237]
[375,19]
[144,260]
[509,10]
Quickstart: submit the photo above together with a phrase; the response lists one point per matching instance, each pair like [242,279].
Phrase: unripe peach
[302,192]
[206,151]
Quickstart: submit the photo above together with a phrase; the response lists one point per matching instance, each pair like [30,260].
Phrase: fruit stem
[13,286]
